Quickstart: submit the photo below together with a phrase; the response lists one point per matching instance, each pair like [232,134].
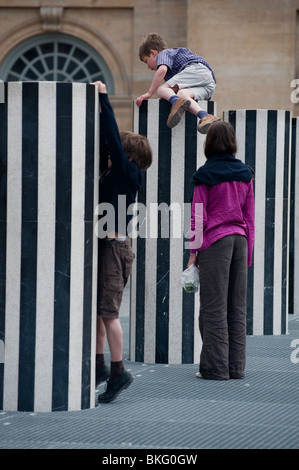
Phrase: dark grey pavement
[167,407]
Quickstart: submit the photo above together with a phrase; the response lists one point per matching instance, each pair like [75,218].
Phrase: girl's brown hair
[138,148]
[221,138]
[151,41]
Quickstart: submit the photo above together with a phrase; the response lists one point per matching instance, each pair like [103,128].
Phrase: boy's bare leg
[102,370]
[184,103]
[115,338]
[165,92]
[101,336]
[206,119]
[112,327]
[119,378]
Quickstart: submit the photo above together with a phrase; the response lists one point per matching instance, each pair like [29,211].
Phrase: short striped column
[48,250]
[164,318]
[264,142]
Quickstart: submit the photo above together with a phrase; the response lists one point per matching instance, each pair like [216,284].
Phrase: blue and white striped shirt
[177,59]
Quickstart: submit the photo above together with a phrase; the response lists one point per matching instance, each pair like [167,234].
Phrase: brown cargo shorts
[115,259]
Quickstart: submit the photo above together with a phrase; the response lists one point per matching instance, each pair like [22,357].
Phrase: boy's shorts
[196,77]
[115,259]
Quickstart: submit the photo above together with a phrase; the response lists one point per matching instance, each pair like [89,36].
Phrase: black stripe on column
[188,299]
[62,245]
[269,222]
[250,152]
[292,216]
[163,248]
[88,248]
[28,246]
[3,219]
[211,107]
[232,118]
[285,215]
[140,249]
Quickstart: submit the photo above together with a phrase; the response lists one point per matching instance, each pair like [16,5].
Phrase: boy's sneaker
[102,373]
[205,123]
[115,386]
[177,111]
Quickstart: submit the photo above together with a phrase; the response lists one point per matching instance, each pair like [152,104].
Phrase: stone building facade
[253,46]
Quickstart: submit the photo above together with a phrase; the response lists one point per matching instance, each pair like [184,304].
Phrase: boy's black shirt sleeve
[110,142]
[122,181]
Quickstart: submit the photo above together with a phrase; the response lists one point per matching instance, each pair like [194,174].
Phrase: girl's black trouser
[222,318]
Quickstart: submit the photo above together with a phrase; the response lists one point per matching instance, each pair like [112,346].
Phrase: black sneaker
[102,373]
[115,386]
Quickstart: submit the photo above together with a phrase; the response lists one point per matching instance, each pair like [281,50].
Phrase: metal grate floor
[167,407]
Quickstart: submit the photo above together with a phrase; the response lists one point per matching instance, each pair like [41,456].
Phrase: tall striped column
[264,139]
[48,256]
[164,318]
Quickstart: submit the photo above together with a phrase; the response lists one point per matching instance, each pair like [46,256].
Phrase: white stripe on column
[77,245]
[176,243]
[241,134]
[45,247]
[259,243]
[151,241]
[278,226]
[201,159]
[13,248]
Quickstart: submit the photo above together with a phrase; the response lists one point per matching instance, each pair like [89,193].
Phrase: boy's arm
[109,132]
[157,79]
[104,152]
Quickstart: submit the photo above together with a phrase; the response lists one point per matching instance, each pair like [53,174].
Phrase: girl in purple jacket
[223,252]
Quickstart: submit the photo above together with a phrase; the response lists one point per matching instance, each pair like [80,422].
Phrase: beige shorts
[196,77]
[115,259]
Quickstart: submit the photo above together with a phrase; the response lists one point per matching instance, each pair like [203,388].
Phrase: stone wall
[251,45]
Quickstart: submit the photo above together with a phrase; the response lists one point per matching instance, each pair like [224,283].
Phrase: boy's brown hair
[138,148]
[151,41]
[221,138]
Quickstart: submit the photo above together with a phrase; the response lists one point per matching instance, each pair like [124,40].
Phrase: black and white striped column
[164,319]
[48,255]
[264,142]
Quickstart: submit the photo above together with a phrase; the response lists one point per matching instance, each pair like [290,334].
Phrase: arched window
[55,57]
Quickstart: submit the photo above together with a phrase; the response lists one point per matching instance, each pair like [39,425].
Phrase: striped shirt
[177,59]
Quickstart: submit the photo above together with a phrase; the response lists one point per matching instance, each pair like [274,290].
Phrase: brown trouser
[115,259]
[222,319]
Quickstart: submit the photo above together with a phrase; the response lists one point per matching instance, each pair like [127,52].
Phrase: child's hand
[101,86]
[139,100]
